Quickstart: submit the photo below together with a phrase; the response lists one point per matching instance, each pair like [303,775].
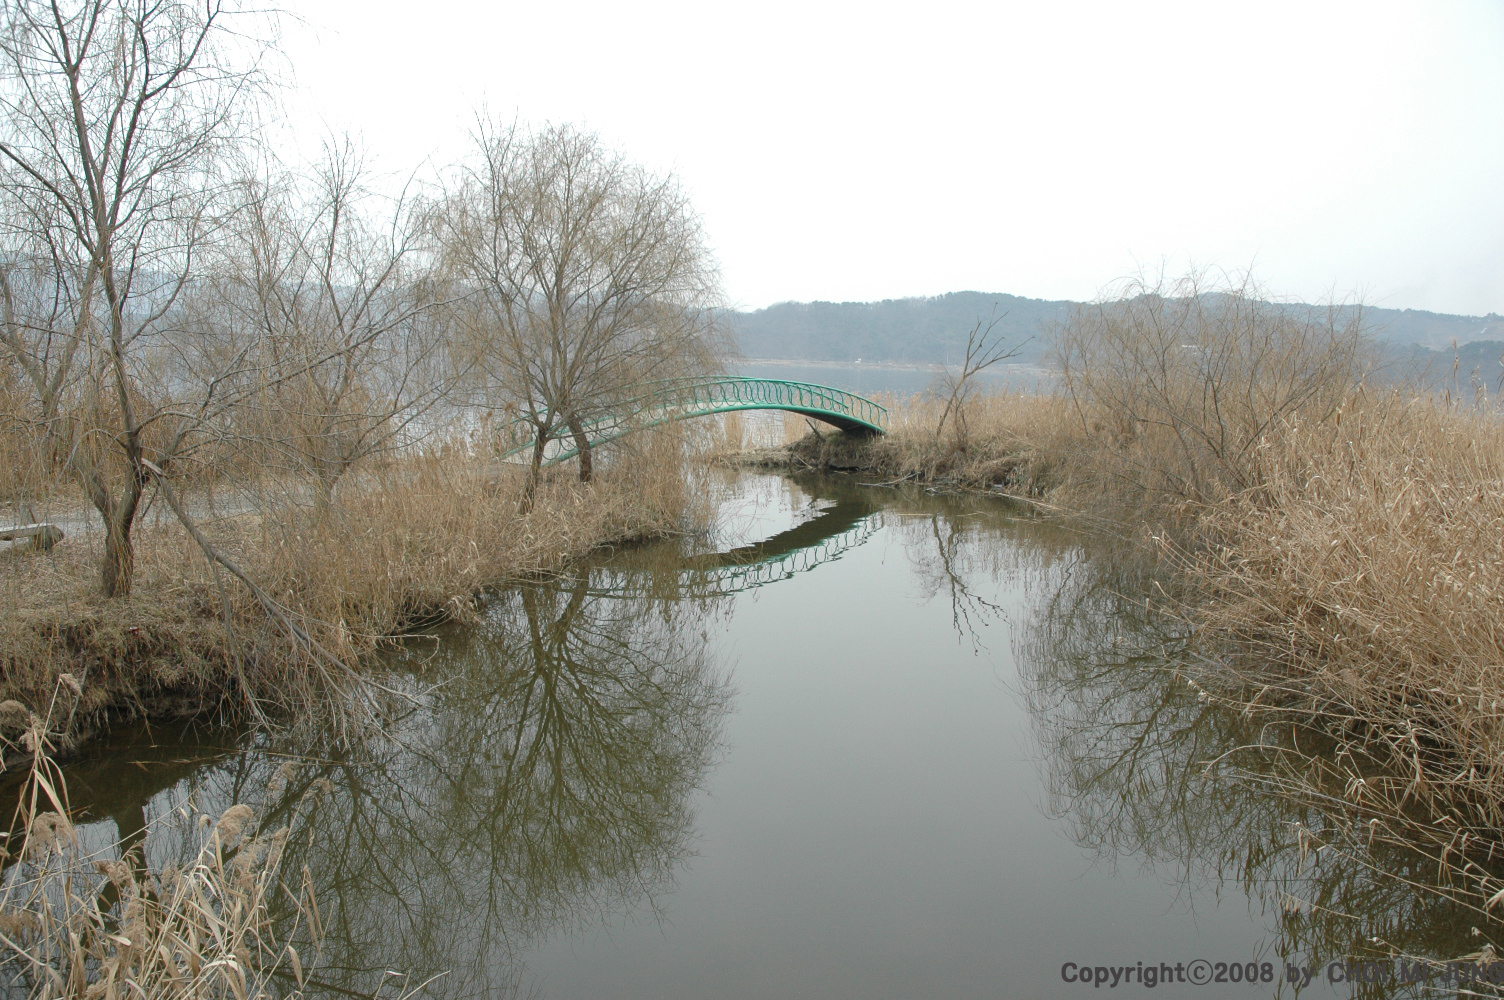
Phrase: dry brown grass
[1011,442]
[72,925]
[104,924]
[1364,581]
[1339,546]
[402,544]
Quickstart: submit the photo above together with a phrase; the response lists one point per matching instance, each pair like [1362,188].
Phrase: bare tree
[113,116]
[588,276]
[1184,379]
[984,348]
[331,292]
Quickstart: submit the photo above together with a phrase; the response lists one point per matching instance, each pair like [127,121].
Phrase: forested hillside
[928,330]
[933,330]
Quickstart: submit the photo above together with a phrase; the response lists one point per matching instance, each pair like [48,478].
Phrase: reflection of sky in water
[875,829]
[952,763]
[775,506]
[889,820]
[750,510]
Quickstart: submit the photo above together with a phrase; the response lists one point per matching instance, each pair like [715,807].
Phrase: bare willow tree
[38,317]
[327,287]
[1183,380]
[588,277]
[113,117]
[985,347]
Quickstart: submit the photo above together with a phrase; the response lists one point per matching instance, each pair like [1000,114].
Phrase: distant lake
[900,380]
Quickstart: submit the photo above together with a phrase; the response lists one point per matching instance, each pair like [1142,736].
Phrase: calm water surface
[856,743]
[899,380]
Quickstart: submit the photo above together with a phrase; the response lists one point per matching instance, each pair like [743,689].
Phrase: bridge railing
[671,399]
[747,391]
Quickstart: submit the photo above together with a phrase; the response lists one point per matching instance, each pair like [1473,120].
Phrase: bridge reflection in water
[548,780]
[824,538]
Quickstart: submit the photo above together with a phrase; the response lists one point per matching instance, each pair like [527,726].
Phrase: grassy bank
[1012,442]
[1336,544]
[401,545]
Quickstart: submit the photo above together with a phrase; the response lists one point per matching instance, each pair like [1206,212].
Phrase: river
[853,742]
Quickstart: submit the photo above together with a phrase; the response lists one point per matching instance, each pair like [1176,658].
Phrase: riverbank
[905,669]
[403,546]
[1342,571]
[1009,442]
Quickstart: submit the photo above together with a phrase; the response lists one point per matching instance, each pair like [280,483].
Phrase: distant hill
[1458,370]
[1438,331]
[933,330]
[927,331]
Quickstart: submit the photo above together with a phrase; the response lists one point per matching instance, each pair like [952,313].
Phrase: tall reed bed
[401,544]
[1338,540]
[1337,536]
[1364,580]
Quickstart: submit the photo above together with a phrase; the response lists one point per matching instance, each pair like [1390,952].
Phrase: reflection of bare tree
[544,783]
[1145,769]
[968,611]
[957,545]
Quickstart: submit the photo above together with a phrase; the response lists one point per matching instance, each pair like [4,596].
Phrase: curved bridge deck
[682,399]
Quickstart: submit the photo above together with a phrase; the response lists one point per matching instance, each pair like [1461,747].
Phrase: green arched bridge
[681,399]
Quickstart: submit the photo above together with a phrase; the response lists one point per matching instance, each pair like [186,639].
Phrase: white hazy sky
[877,150]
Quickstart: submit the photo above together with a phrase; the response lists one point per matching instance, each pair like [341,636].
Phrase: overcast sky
[871,150]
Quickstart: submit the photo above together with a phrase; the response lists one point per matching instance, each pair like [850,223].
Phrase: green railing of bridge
[724,395]
[681,399]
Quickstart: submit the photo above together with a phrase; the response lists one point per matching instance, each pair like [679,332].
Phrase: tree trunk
[119,568]
[582,445]
[119,561]
[119,515]
[534,470]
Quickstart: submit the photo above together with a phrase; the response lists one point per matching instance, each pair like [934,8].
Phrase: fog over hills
[933,330]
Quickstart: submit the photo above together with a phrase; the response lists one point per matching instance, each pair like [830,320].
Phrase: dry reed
[1338,546]
[1009,441]
[103,924]
[1363,582]
[403,543]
